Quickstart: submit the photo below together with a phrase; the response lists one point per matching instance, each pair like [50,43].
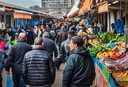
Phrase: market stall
[111,59]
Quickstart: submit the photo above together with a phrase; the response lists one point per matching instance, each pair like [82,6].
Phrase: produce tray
[119,83]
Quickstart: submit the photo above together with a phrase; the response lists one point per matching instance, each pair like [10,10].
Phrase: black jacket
[38,67]
[50,46]
[30,37]
[64,49]
[79,70]
[16,56]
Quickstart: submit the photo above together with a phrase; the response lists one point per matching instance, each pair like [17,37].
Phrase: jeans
[18,80]
[0,80]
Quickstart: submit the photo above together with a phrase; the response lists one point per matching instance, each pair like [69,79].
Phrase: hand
[7,72]
[55,58]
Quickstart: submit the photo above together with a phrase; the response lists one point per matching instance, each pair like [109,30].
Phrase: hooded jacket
[79,70]
[16,56]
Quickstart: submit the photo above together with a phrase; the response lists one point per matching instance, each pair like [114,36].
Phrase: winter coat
[61,36]
[1,60]
[64,49]
[50,46]
[38,67]
[16,56]
[79,70]
[30,37]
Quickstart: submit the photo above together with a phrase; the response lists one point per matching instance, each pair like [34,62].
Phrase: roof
[22,9]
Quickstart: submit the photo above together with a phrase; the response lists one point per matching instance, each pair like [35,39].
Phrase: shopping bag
[9,81]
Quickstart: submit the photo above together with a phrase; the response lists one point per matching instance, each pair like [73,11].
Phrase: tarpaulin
[34,23]
[119,26]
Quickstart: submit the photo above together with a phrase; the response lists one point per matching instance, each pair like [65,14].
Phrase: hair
[38,41]
[77,40]
[45,34]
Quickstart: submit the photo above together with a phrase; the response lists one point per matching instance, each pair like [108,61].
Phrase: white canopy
[74,8]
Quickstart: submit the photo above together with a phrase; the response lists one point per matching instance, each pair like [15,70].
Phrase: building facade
[57,7]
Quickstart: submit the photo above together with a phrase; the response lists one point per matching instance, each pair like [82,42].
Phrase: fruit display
[99,48]
[116,57]
[91,38]
[111,56]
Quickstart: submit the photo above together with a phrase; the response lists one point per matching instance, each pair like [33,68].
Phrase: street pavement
[57,83]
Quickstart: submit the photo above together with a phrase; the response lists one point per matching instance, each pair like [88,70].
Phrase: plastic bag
[9,81]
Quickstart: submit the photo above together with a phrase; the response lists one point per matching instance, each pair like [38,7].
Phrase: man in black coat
[49,45]
[15,60]
[38,66]
[61,36]
[79,70]
[64,50]
[11,33]
[30,36]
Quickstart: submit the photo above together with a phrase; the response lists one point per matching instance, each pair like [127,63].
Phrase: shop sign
[103,7]
[20,15]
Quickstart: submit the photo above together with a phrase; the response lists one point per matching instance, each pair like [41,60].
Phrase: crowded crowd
[36,52]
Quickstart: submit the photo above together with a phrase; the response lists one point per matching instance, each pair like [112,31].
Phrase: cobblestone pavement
[57,83]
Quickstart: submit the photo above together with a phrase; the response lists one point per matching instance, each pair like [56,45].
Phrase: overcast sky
[23,3]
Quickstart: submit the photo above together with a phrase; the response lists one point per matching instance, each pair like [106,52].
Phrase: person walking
[64,49]
[79,70]
[61,36]
[49,45]
[15,59]
[1,65]
[38,67]
[11,33]
[30,36]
